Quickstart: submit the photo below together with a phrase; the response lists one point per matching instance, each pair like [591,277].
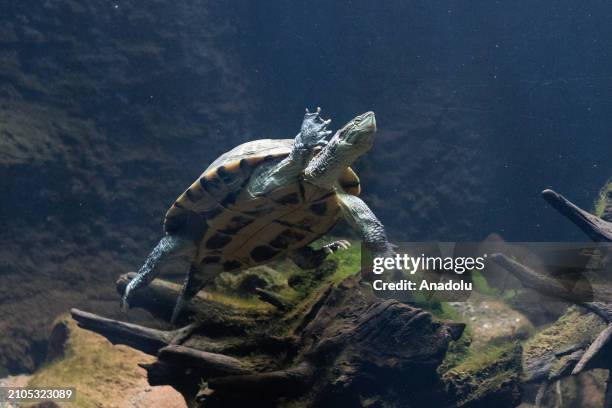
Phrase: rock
[487,378]
[492,320]
[100,129]
[15,381]
[45,404]
[543,352]
[56,345]
[91,364]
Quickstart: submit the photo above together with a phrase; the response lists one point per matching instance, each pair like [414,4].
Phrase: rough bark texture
[598,229]
[583,339]
[342,347]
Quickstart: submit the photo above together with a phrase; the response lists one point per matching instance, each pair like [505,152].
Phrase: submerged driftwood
[592,347]
[599,229]
[342,345]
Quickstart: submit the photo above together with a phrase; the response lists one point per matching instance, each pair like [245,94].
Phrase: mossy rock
[103,374]
[575,328]
[487,378]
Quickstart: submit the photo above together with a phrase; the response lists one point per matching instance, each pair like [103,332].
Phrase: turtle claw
[314,130]
[125,306]
[336,246]
[316,112]
[323,141]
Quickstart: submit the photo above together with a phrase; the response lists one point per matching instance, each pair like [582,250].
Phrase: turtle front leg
[169,247]
[370,229]
[312,135]
[309,258]
[313,131]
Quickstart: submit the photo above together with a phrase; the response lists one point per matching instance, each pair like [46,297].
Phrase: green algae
[238,302]
[603,204]
[307,286]
[484,377]
[482,286]
[335,269]
[285,279]
[348,262]
[573,328]
[298,287]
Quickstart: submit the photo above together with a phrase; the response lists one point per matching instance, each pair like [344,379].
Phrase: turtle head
[356,137]
[348,144]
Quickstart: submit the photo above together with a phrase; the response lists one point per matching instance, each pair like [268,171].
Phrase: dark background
[109,109]
[532,78]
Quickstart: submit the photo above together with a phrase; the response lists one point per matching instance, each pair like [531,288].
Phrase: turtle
[266,199]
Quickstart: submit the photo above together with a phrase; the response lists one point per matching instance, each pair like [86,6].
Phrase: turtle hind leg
[310,258]
[196,279]
[169,247]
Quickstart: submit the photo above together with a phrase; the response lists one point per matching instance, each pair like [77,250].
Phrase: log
[160,296]
[596,228]
[555,287]
[601,309]
[598,353]
[550,367]
[139,337]
[455,329]
[272,298]
[542,390]
[341,338]
[291,381]
[567,365]
[180,378]
[209,364]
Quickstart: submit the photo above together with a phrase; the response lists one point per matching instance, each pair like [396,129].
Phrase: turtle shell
[238,231]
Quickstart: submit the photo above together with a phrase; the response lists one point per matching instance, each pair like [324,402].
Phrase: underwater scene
[296,204]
